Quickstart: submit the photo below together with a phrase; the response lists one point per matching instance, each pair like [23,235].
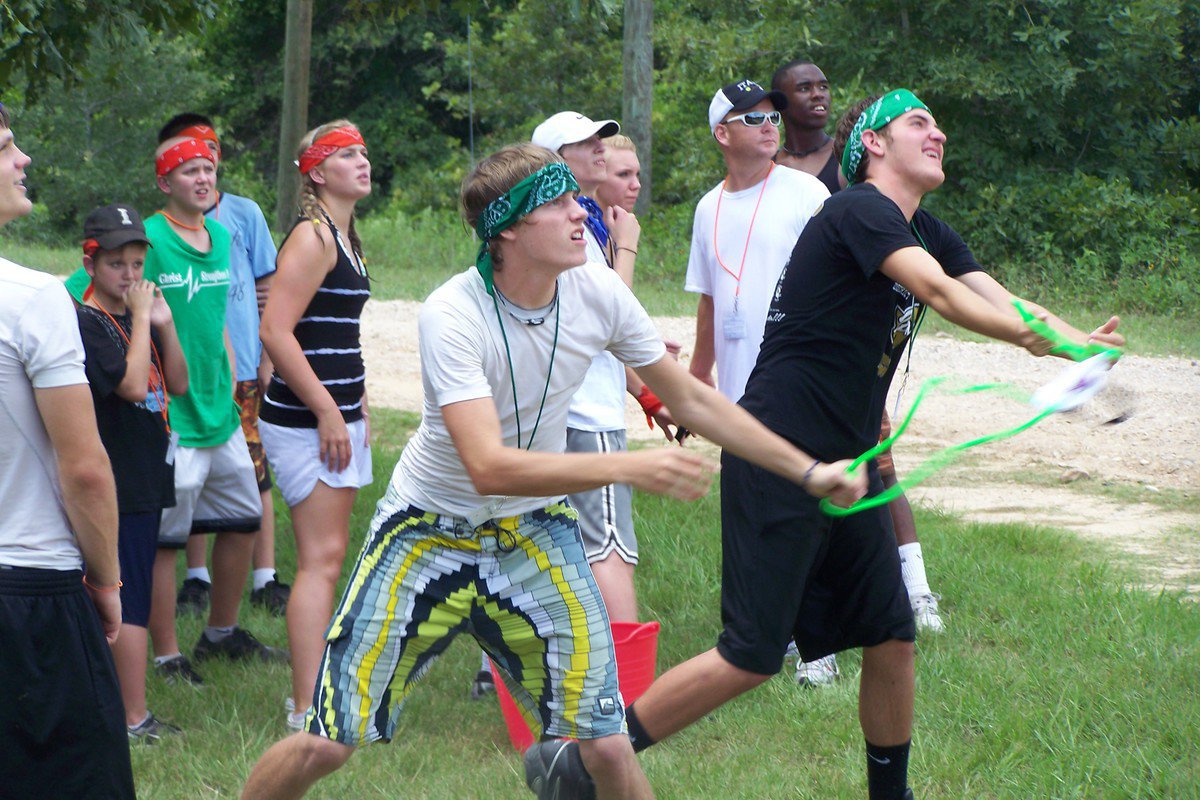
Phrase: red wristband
[649,403]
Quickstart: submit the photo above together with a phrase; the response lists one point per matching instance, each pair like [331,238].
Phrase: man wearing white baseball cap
[596,421]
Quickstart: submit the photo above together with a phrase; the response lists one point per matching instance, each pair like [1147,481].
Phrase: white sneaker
[822,672]
[925,609]
[295,719]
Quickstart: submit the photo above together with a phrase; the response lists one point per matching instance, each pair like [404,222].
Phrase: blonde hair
[620,141]
[310,190]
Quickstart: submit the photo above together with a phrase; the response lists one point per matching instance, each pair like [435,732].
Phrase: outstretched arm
[497,469]
[922,275]
[707,412]
[1001,299]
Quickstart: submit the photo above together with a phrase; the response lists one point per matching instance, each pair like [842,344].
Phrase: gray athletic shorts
[216,491]
[605,514]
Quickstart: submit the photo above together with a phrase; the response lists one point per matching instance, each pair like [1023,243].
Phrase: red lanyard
[157,384]
[749,231]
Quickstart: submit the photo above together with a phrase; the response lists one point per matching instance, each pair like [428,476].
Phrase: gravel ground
[1155,448]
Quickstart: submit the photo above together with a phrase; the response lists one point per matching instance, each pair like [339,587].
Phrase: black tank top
[829,174]
[328,334]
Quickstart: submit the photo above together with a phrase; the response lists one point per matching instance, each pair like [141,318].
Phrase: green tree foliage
[92,142]
[1040,99]
[41,41]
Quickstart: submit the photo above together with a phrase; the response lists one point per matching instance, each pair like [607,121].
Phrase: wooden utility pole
[638,98]
[293,122]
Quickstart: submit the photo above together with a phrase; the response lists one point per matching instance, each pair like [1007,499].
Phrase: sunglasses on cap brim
[755,119]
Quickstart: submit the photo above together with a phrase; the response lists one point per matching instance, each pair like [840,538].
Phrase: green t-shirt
[77,284]
[196,287]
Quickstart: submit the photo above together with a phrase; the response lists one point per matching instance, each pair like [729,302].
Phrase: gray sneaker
[554,771]
[151,730]
[822,672]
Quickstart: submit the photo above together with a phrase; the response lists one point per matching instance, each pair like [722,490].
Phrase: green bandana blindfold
[875,116]
[548,183]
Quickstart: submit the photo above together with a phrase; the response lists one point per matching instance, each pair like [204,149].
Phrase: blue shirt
[252,256]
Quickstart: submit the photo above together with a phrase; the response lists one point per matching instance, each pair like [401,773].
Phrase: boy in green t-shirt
[215,484]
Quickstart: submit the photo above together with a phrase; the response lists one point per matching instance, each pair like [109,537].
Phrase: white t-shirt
[40,348]
[599,405]
[463,358]
[789,200]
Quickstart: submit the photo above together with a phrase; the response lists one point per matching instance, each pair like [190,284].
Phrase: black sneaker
[151,731]
[554,771]
[273,597]
[178,670]
[192,599]
[237,646]
[483,685]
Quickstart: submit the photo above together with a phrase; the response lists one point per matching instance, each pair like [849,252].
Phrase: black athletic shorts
[790,571]
[62,723]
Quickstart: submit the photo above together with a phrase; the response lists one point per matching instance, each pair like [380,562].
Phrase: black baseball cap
[115,226]
[741,96]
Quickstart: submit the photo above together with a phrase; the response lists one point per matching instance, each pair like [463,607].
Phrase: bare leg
[614,576]
[264,540]
[197,551]
[885,697]
[129,655]
[293,765]
[322,526]
[615,769]
[230,567]
[162,603]
[687,692]
[901,512]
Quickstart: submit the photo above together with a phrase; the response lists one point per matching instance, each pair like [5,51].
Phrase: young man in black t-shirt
[133,361]
[843,311]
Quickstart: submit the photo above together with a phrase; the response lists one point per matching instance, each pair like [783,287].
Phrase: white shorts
[295,456]
[216,491]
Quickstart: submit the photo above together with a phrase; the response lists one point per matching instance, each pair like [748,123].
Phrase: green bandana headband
[875,116]
[549,182]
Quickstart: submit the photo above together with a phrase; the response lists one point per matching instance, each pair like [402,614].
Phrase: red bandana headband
[327,145]
[204,133]
[90,246]
[184,151]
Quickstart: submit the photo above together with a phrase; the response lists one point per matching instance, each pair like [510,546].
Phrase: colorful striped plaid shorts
[520,585]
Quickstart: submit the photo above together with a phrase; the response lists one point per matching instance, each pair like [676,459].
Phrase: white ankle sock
[160,660]
[262,577]
[912,569]
[218,633]
[199,572]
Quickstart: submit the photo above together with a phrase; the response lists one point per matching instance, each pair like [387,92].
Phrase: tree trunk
[638,99]
[293,121]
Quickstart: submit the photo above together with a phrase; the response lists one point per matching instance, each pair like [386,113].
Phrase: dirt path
[1156,448]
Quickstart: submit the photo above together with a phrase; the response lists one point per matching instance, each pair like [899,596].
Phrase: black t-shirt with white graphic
[134,434]
[837,325]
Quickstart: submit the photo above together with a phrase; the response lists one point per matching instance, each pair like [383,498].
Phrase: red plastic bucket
[636,646]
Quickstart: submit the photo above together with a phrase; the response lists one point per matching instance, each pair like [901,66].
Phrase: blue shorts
[520,585]
[137,545]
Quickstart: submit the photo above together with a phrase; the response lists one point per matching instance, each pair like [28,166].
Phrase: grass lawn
[1051,682]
